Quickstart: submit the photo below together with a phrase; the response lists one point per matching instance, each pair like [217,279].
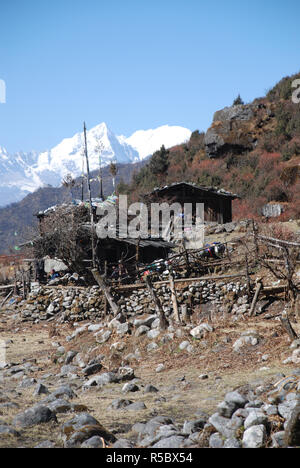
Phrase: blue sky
[136,64]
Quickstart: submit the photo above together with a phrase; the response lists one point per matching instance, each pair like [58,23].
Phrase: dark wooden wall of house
[217,208]
[113,251]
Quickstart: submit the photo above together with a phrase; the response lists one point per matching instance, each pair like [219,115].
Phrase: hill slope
[252,150]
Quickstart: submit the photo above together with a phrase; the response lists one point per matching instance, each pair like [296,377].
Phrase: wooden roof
[212,190]
[150,242]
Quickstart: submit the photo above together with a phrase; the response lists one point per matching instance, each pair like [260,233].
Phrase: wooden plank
[7,286]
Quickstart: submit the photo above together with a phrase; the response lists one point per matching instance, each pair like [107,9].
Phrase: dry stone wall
[78,304]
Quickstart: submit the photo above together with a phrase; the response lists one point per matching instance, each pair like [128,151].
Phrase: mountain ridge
[22,173]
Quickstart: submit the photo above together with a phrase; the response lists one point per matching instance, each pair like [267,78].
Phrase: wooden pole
[106,304]
[16,286]
[23,284]
[288,328]
[137,255]
[278,241]
[90,196]
[247,275]
[227,251]
[6,298]
[255,239]
[6,286]
[257,291]
[290,271]
[174,297]
[100,175]
[82,175]
[188,267]
[184,313]
[163,322]
[105,291]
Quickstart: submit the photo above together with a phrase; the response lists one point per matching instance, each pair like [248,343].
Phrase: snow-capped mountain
[17,177]
[146,142]
[67,156]
[22,173]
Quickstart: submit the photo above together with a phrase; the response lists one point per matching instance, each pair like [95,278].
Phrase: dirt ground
[181,391]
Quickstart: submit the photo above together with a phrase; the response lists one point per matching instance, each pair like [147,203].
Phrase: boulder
[81,429]
[254,437]
[200,330]
[35,415]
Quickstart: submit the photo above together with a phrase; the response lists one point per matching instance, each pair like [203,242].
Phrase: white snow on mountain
[22,173]
[67,156]
[146,142]
[17,177]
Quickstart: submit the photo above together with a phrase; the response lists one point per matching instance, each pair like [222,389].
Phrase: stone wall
[78,304]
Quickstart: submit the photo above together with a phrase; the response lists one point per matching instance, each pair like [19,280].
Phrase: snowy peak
[67,156]
[146,142]
[3,153]
[22,173]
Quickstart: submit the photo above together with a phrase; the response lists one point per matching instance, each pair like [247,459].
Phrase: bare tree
[65,235]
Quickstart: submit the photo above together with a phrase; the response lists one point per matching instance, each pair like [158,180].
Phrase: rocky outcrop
[236,129]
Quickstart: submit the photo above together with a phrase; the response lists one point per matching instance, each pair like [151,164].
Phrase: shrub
[275,191]
[267,161]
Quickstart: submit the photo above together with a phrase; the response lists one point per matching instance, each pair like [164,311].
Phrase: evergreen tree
[238,101]
[159,162]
